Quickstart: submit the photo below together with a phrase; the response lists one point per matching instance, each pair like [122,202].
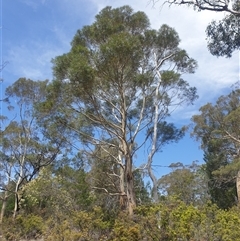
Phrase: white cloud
[32,60]
[32,3]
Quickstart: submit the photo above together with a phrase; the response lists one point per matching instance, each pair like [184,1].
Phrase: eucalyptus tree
[221,188]
[224,35]
[22,139]
[120,80]
[188,183]
[217,127]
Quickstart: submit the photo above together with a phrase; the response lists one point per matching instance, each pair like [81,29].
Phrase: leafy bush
[175,220]
[125,229]
[170,220]
[30,226]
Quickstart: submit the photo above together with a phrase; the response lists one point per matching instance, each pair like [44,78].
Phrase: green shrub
[29,226]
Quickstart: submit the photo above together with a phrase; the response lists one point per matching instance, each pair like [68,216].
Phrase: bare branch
[109,193]
[210,5]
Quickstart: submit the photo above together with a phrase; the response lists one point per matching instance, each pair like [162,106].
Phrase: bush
[23,227]
[177,221]
[171,220]
[125,229]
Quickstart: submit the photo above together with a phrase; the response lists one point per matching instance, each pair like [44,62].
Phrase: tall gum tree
[122,79]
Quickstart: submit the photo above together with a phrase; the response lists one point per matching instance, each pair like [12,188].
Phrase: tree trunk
[4,204]
[16,206]
[17,199]
[154,193]
[127,154]
[122,198]
[130,186]
[155,135]
[238,186]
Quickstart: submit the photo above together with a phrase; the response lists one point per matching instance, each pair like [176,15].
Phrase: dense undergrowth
[167,221]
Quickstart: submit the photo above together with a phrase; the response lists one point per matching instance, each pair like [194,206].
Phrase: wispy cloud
[32,60]
[32,3]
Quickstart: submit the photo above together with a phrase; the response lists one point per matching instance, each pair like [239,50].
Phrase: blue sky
[35,31]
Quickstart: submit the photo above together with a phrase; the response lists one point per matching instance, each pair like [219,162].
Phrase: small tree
[186,183]
[22,141]
[222,189]
[217,126]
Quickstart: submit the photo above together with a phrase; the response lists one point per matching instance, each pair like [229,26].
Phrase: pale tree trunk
[22,161]
[156,117]
[154,139]
[123,196]
[17,188]
[154,193]
[17,199]
[238,186]
[4,204]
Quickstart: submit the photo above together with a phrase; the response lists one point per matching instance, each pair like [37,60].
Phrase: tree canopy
[223,36]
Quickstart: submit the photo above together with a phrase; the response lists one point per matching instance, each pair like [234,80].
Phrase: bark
[4,204]
[129,180]
[16,202]
[127,156]
[130,186]
[122,198]
[154,139]
[17,188]
[156,117]
[154,184]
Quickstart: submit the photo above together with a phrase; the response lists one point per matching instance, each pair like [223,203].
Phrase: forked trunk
[17,198]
